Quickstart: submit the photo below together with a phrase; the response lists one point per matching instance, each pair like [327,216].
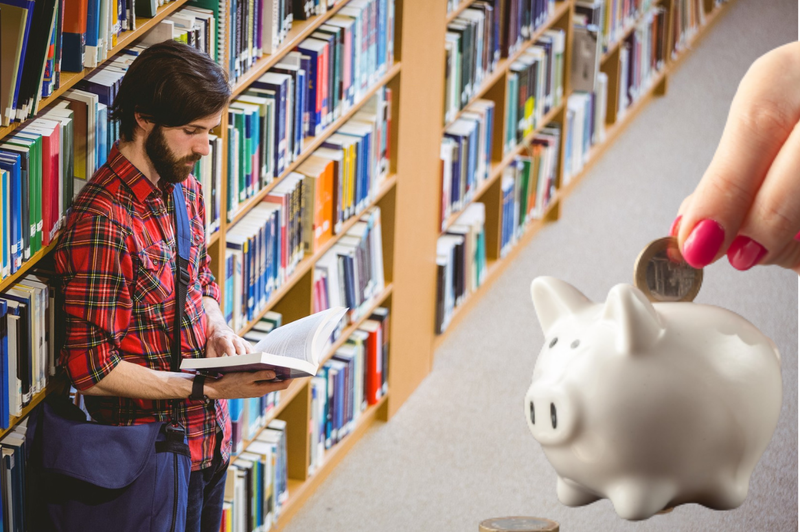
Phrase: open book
[291,351]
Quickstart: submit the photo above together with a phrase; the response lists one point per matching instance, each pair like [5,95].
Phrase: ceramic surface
[650,405]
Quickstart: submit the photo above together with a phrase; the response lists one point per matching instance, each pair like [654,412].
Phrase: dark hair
[171,83]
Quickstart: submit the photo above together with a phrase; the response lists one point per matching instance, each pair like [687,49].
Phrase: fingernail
[745,253]
[797,236]
[703,243]
[676,226]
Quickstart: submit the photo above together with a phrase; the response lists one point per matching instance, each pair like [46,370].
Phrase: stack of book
[529,186]
[28,343]
[350,274]
[520,20]
[466,153]
[190,25]
[535,85]
[268,124]
[585,127]
[619,16]
[304,210]
[472,51]
[641,57]
[354,379]
[15,450]
[257,483]
[460,262]
[36,188]
[357,40]
[688,17]
[44,38]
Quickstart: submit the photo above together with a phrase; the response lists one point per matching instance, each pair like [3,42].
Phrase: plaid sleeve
[209,287]
[96,268]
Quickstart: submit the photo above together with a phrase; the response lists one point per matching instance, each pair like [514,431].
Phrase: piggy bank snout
[551,415]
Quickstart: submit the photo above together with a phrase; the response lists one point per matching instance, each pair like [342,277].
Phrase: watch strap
[197,388]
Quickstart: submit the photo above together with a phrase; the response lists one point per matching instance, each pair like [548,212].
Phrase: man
[116,259]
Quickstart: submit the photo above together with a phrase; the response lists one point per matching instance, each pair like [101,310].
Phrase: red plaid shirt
[116,259]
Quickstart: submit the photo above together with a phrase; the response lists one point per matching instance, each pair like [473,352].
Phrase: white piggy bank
[650,405]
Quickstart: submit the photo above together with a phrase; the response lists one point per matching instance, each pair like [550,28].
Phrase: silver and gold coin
[663,275]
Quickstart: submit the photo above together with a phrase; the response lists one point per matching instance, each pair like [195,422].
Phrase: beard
[170,168]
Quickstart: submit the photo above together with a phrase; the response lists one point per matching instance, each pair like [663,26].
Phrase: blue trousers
[206,492]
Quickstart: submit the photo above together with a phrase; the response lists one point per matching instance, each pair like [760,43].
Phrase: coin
[663,275]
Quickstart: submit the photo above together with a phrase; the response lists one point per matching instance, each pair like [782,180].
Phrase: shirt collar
[141,186]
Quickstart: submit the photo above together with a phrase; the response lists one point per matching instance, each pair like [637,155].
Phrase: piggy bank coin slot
[663,275]
[553,342]
[553,416]
[533,414]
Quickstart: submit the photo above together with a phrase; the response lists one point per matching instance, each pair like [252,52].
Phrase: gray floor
[459,450]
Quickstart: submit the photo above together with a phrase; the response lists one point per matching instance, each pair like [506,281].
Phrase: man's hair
[172,84]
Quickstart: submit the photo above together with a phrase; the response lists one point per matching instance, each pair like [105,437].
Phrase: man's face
[175,150]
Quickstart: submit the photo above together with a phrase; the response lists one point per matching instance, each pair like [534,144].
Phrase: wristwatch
[197,389]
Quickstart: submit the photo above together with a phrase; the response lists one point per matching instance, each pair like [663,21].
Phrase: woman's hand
[747,204]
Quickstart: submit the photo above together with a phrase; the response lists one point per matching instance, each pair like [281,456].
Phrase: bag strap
[183,240]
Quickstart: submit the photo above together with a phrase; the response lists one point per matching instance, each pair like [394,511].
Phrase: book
[292,351]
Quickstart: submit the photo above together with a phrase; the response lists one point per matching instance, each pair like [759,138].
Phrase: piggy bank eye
[553,342]
[533,414]
[553,417]
[575,344]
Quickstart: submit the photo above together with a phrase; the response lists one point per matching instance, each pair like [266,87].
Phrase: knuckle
[727,189]
[776,219]
[766,118]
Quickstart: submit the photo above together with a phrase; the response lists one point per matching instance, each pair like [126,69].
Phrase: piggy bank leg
[640,499]
[728,492]
[571,494]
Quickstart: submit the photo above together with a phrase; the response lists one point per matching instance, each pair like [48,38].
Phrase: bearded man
[116,259]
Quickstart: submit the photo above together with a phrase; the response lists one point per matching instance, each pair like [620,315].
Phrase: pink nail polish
[703,243]
[797,236]
[676,226]
[745,253]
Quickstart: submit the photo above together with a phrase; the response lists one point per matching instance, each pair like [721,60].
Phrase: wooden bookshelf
[68,80]
[624,35]
[301,490]
[310,144]
[297,385]
[496,167]
[494,268]
[458,10]
[9,281]
[503,65]
[309,260]
[124,40]
[613,129]
[301,29]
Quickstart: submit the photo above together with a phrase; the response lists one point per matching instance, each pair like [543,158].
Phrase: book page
[297,339]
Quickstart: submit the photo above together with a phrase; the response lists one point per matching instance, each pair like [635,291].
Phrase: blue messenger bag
[86,476]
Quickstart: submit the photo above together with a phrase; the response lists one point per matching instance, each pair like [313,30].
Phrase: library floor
[459,450]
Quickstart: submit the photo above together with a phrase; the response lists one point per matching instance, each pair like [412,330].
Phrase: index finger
[763,113]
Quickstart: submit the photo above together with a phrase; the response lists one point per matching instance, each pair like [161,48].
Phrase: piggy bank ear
[553,299]
[638,323]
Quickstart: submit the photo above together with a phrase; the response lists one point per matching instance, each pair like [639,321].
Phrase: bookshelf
[488,192]
[409,198]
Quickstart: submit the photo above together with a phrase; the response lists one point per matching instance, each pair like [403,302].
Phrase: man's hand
[221,340]
[244,384]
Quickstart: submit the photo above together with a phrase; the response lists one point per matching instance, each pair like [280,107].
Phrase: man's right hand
[244,384]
